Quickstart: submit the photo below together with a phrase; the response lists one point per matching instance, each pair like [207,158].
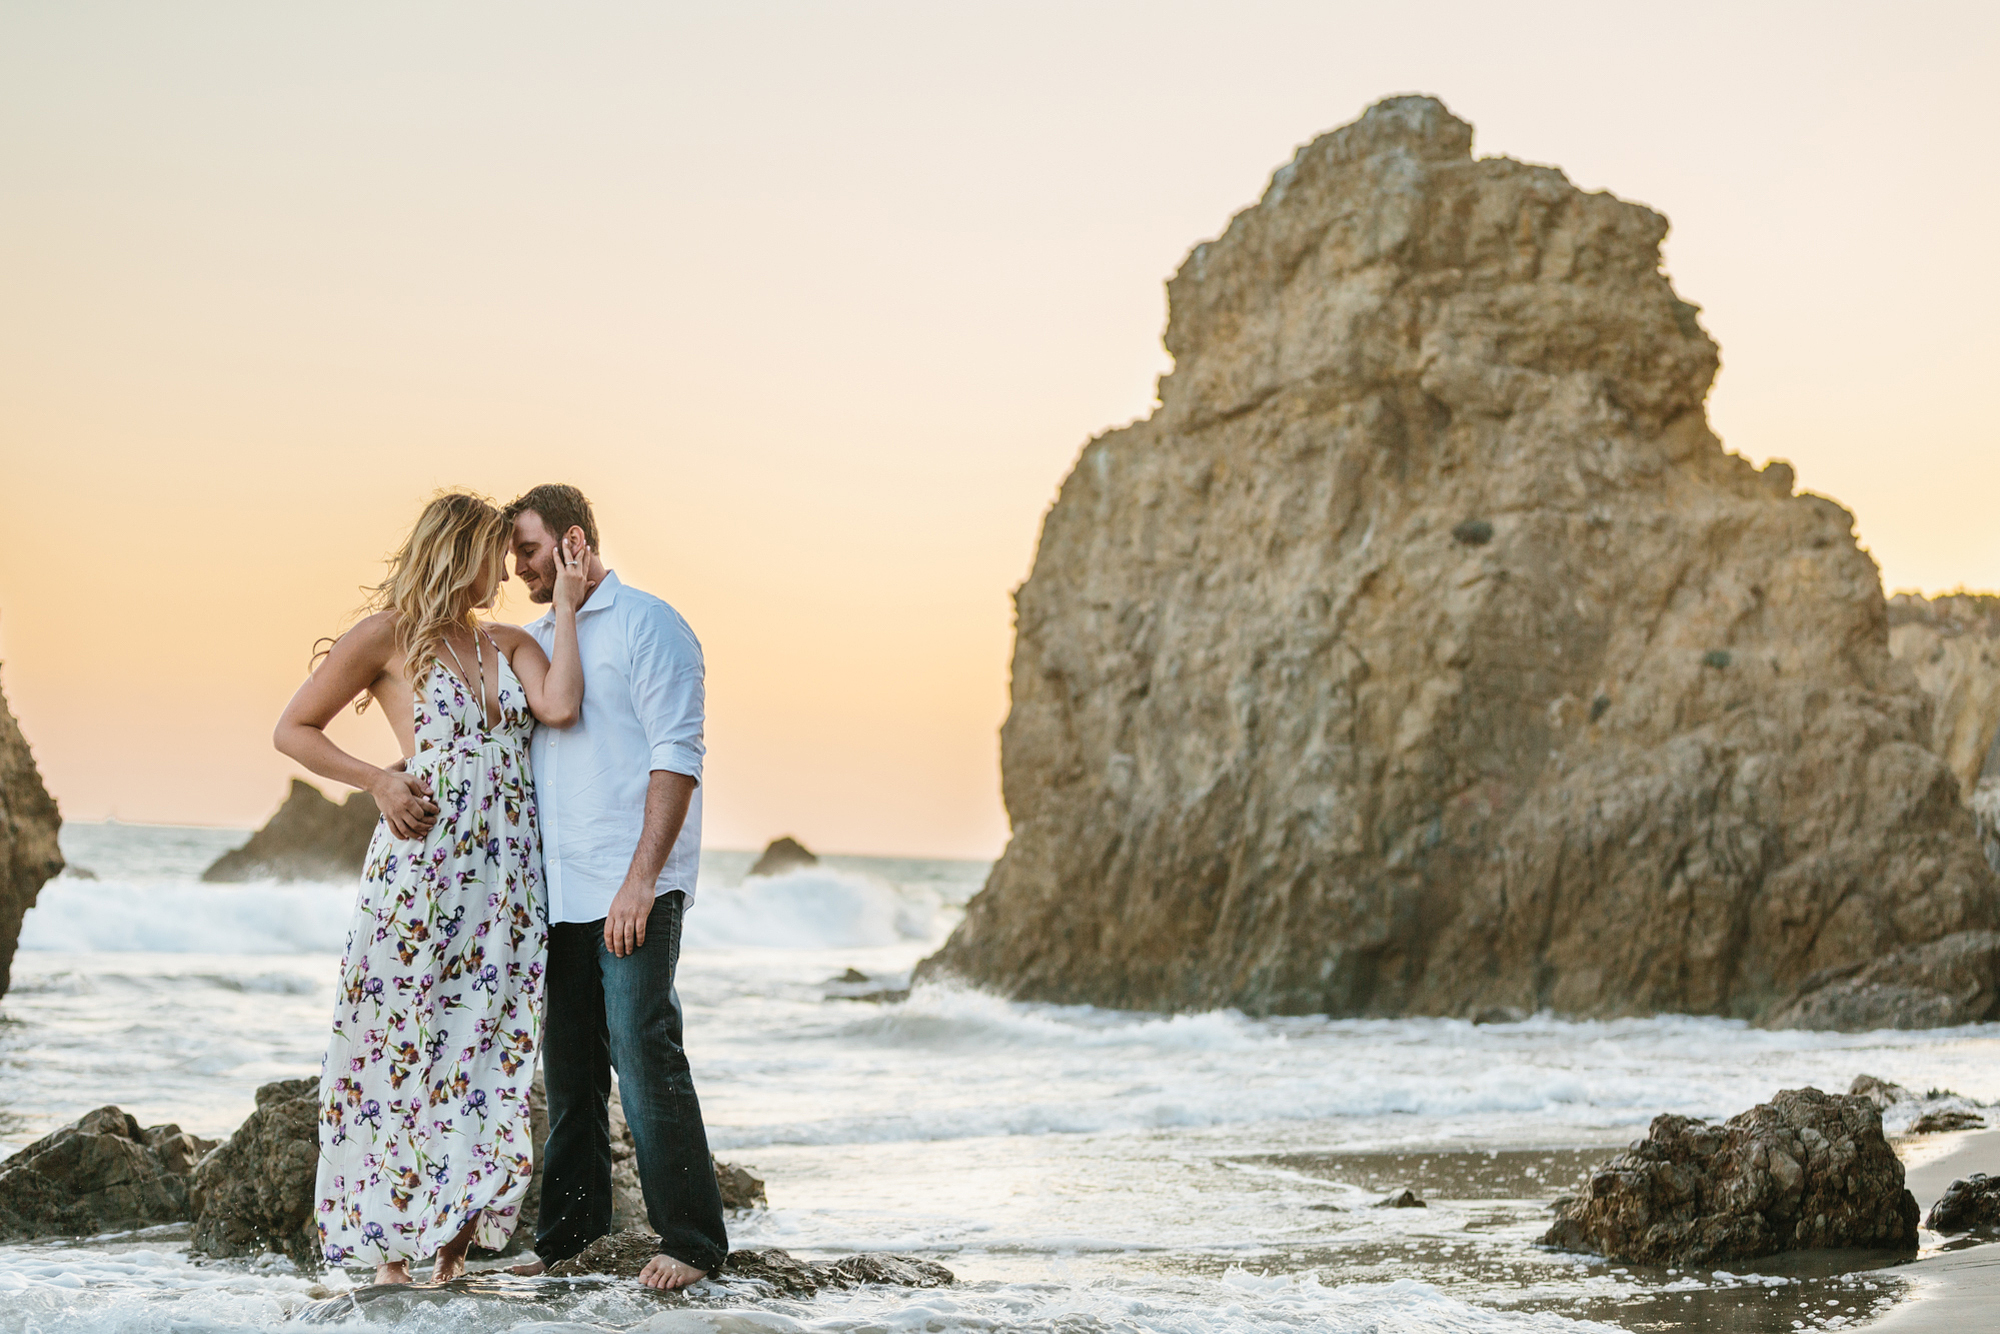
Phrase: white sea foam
[813,907]
[93,1290]
[177,917]
[809,908]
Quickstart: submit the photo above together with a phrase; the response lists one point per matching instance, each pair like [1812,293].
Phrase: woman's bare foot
[395,1272]
[666,1273]
[451,1255]
[532,1269]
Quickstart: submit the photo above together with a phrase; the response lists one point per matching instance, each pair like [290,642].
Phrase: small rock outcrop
[624,1254]
[1953,980]
[1425,652]
[310,838]
[100,1173]
[1968,1205]
[1806,1171]
[29,822]
[784,854]
[1932,1113]
[255,1193]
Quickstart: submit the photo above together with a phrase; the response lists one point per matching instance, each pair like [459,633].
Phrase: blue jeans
[608,1013]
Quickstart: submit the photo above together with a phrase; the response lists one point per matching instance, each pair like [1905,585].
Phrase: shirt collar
[601,597]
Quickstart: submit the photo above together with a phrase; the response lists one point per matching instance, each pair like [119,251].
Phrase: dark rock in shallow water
[1967,1205]
[624,1254]
[1937,1123]
[97,1174]
[1879,1091]
[740,1189]
[784,854]
[28,825]
[310,838]
[1402,1199]
[255,1193]
[1806,1171]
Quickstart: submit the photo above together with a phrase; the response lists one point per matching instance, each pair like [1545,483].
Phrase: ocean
[1079,1169]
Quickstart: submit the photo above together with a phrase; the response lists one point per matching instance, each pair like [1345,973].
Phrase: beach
[1078,1169]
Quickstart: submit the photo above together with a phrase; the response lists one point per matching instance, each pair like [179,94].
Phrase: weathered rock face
[1806,1171]
[784,854]
[255,1193]
[1952,645]
[1425,652]
[310,838]
[1972,1204]
[99,1173]
[28,825]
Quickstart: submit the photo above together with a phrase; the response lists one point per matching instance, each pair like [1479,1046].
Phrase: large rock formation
[28,825]
[310,838]
[99,1173]
[1806,1171]
[1425,652]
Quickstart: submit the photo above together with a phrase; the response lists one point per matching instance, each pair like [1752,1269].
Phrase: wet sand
[1956,1290]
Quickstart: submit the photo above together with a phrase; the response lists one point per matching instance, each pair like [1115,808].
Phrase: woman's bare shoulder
[377,630]
[510,637]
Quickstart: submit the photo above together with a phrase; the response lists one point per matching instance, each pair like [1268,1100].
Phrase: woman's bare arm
[357,661]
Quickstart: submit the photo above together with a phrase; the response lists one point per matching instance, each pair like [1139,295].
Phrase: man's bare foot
[666,1273]
[395,1272]
[531,1269]
[451,1255]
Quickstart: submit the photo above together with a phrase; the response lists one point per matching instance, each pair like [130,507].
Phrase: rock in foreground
[784,854]
[310,838]
[624,1254]
[1806,1171]
[97,1174]
[1424,651]
[1972,1204]
[28,825]
[255,1193]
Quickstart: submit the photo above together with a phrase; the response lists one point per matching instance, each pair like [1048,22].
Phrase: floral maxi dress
[423,1099]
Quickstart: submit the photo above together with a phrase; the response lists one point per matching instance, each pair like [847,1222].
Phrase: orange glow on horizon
[818,306]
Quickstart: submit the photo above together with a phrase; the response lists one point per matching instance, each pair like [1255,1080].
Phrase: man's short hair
[561,507]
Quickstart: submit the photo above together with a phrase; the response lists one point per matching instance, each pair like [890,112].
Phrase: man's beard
[544,589]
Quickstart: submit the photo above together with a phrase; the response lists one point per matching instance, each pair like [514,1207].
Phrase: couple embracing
[536,852]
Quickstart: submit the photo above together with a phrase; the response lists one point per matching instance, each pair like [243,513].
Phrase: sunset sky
[818,303]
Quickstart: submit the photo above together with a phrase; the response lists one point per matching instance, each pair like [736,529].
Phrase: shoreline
[1950,1290]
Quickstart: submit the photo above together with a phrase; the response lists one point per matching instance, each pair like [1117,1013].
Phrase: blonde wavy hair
[446,569]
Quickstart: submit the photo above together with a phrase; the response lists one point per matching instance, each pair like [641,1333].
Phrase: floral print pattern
[423,1108]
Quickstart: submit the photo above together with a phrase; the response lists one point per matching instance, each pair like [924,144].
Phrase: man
[619,793]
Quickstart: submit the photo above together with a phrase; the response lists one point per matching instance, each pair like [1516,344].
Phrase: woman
[424,1141]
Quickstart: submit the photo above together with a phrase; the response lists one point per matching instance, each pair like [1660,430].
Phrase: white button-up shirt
[643,700]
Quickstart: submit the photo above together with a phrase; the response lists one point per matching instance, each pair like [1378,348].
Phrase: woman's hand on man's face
[572,570]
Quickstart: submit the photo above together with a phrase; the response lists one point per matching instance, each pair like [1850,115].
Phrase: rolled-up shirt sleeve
[668,691]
